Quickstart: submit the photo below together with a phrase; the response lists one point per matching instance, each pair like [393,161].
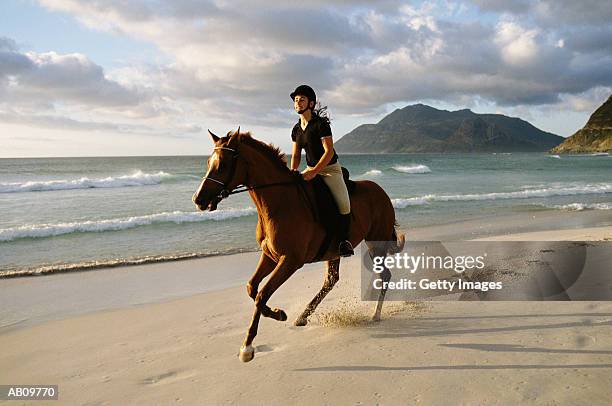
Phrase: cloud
[70,91]
[236,61]
[70,78]
[593,40]
[553,12]
[585,12]
[518,45]
[67,123]
[509,6]
[507,64]
[11,61]
[587,101]
[73,77]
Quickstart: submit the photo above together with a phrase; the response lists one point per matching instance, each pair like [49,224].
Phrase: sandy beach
[152,151]
[118,336]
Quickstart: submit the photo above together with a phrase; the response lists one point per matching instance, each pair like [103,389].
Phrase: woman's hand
[308,174]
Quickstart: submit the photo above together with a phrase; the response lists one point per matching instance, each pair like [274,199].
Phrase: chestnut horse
[287,232]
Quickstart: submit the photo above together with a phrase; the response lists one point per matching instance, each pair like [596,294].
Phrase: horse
[287,231]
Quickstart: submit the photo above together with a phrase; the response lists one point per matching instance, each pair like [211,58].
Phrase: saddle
[324,208]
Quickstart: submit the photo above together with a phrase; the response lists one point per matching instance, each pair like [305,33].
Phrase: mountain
[595,136]
[421,128]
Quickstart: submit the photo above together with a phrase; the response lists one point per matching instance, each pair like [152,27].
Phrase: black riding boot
[345,249]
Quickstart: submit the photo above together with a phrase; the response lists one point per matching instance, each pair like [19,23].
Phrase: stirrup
[345,249]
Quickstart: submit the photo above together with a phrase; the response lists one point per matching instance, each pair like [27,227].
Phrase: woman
[313,134]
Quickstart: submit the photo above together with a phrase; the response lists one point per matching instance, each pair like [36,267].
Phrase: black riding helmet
[304,90]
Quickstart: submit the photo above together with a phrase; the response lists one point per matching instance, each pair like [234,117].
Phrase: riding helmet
[304,90]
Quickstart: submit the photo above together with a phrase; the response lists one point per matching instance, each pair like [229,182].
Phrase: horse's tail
[398,240]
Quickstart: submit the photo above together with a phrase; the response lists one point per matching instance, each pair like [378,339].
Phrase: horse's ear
[235,135]
[214,137]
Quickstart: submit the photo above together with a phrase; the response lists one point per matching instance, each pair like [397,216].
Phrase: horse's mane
[269,150]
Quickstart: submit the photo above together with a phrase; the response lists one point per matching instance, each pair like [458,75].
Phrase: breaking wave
[178,217]
[599,188]
[138,178]
[372,172]
[412,169]
[581,206]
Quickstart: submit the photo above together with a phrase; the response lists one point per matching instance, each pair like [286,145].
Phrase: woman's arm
[296,157]
[328,146]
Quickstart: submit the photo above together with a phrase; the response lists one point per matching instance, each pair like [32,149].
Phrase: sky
[149,77]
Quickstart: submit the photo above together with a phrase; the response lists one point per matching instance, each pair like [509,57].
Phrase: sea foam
[116,224]
[412,169]
[598,188]
[581,206]
[138,178]
[372,172]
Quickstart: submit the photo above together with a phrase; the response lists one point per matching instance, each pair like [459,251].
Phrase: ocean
[61,214]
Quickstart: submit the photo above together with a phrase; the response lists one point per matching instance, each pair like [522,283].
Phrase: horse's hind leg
[331,277]
[385,276]
[283,270]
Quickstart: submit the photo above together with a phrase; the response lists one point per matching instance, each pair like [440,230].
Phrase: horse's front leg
[331,277]
[265,266]
[283,270]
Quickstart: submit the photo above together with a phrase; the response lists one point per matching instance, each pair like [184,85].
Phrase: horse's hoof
[376,318]
[279,314]
[301,322]
[246,353]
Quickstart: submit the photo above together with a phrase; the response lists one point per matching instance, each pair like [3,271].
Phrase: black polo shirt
[310,139]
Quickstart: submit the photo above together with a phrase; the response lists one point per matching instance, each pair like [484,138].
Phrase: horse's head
[225,172]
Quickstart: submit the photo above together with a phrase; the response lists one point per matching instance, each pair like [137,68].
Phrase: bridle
[225,192]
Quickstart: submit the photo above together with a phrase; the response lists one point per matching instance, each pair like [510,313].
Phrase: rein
[247,188]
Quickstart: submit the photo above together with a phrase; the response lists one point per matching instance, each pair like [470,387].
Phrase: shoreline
[75,293]
[480,227]
[104,264]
